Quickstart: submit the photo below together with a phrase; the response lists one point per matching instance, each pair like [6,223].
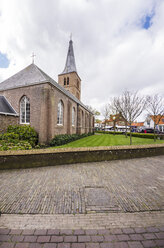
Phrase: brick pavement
[81,238]
[110,204]
[114,186]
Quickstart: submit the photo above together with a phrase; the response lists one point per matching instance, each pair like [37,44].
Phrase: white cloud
[112,50]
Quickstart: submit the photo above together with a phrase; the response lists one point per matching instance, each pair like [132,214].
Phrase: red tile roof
[158,119]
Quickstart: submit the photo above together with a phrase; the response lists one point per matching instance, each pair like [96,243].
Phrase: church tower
[69,79]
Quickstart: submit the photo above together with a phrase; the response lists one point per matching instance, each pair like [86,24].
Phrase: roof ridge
[42,73]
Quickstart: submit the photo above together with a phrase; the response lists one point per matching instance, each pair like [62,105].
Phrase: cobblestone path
[114,186]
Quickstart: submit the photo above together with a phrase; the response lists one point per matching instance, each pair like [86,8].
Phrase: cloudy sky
[118,44]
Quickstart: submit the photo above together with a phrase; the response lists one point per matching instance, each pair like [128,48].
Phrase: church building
[33,98]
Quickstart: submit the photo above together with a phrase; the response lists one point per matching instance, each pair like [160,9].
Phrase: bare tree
[93,110]
[155,109]
[106,112]
[130,105]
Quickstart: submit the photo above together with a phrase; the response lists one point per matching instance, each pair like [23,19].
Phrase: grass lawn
[110,140]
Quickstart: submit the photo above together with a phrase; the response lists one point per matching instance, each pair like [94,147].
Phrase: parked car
[149,130]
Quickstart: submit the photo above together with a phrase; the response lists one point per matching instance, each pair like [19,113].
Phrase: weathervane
[33,55]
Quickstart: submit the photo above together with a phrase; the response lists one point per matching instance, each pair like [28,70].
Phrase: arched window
[73,116]
[64,81]
[60,113]
[25,110]
[67,80]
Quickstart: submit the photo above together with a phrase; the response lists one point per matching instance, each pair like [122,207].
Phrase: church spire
[70,65]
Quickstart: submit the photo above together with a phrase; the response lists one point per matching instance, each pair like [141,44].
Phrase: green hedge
[143,135]
[139,135]
[109,132]
[63,139]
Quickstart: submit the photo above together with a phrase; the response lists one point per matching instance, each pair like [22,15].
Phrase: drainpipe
[77,123]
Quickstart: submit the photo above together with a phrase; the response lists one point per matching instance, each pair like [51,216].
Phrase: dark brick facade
[6,120]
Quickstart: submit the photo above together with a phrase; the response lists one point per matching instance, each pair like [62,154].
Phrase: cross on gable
[33,56]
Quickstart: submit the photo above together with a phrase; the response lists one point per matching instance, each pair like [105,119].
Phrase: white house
[149,122]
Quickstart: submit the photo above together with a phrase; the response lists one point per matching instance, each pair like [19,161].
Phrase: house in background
[137,126]
[157,119]
[116,122]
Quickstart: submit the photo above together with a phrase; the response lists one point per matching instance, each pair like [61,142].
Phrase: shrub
[20,145]
[63,139]
[23,132]
[10,137]
[142,135]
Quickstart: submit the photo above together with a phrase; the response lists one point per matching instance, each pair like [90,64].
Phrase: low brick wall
[51,157]
[6,120]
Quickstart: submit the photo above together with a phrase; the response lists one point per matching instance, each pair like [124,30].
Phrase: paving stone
[128,230]
[110,238]
[17,238]
[43,239]
[66,232]
[107,245]
[161,228]
[91,232]
[136,237]
[103,232]
[160,235]
[7,245]
[84,239]
[121,245]
[53,231]
[77,245]
[40,232]
[70,239]
[30,239]
[160,242]
[148,243]
[22,245]
[92,245]
[64,245]
[149,236]
[5,238]
[123,237]
[16,232]
[98,238]
[4,231]
[56,239]
[79,232]
[28,232]
[35,245]
[140,229]
[116,231]
[152,229]
[48,245]
[135,244]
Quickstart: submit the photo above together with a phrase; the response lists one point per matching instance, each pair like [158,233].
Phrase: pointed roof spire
[70,65]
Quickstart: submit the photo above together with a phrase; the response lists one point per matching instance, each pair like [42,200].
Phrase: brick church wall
[44,100]
[6,120]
